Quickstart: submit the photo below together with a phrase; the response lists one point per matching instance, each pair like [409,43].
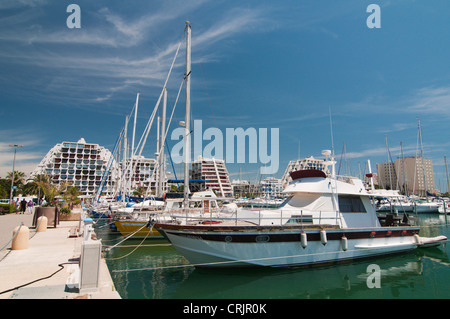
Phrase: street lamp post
[14,164]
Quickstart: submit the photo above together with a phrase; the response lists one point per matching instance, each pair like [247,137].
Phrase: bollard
[89,259]
[88,228]
[21,234]
[42,224]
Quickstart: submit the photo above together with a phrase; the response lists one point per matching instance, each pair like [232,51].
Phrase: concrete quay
[49,267]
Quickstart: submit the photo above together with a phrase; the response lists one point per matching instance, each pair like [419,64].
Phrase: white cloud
[27,158]
[434,101]
[114,55]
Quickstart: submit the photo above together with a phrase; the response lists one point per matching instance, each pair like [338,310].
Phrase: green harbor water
[155,270]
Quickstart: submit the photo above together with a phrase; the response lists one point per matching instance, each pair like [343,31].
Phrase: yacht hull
[138,229]
[283,248]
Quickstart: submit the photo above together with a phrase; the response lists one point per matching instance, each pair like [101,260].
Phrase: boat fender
[417,239]
[344,242]
[323,237]
[303,239]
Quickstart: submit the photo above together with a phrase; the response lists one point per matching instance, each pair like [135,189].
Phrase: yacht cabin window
[300,219]
[351,204]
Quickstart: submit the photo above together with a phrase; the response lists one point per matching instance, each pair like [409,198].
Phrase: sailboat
[325,219]
[193,206]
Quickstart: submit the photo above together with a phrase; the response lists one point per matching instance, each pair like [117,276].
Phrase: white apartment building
[83,165]
[80,164]
[215,173]
[144,176]
[271,187]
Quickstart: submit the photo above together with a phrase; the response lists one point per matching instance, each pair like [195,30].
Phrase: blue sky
[261,64]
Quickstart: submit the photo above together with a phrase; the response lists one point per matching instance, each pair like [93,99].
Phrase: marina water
[153,269]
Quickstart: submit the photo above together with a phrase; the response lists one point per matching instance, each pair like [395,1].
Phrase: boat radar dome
[81,141]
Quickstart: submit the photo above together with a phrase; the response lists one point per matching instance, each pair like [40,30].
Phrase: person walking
[16,206]
[23,205]
[30,206]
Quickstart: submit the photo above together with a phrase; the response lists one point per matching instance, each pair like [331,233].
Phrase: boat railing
[287,218]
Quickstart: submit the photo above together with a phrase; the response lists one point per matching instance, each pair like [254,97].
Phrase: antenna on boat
[331,132]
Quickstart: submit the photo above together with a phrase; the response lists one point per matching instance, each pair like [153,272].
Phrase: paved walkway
[46,251]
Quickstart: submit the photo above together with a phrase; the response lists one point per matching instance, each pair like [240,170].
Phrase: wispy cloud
[11,4]
[397,127]
[115,53]
[27,157]
[434,101]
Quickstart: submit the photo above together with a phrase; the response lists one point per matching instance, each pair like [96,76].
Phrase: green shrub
[9,208]
[65,210]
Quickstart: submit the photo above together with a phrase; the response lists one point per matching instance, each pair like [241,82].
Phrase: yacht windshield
[285,201]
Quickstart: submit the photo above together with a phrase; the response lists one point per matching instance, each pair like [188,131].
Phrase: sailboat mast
[134,126]
[187,134]
[124,166]
[132,144]
[446,172]
[423,164]
[161,148]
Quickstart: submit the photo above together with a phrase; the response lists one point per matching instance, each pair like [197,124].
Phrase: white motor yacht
[325,219]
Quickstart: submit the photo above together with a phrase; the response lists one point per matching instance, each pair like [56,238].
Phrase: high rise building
[83,165]
[271,187]
[387,175]
[416,175]
[215,173]
[411,175]
[144,176]
[80,164]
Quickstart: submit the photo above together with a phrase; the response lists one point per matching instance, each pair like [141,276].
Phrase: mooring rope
[149,231]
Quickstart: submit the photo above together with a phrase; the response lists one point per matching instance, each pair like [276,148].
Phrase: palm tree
[32,187]
[71,196]
[51,190]
[19,177]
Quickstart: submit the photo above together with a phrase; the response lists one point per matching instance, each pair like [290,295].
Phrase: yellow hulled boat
[139,229]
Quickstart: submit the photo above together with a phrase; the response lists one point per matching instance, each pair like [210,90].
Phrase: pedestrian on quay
[16,206]
[23,205]
[30,206]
